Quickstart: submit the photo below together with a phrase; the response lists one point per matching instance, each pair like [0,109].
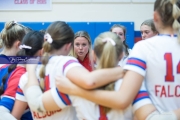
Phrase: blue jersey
[10,88]
[3,67]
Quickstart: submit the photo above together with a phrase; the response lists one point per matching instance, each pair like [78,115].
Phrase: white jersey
[57,65]
[87,110]
[158,60]
[123,60]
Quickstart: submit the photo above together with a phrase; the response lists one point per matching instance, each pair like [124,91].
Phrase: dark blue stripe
[20,93]
[62,98]
[142,91]
[167,35]
[140,99]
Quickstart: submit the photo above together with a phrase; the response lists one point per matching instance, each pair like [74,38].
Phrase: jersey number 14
[169,67]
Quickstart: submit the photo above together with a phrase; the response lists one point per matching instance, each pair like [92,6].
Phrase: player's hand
[64,85]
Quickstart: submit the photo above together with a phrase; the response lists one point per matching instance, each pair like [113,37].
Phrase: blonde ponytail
[1,40]
[108,57]
[108,48]
[12,32]
[176,15]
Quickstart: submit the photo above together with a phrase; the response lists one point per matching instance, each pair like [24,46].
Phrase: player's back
[59,65]
[163,71]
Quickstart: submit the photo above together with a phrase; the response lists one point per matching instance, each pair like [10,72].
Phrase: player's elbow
[123,103]
[89,85]
[34,98]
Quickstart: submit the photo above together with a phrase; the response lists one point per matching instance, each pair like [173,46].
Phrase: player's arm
[114,99]
[19,108]
[121,99]
[20,104]
[134,118]
[5,114]
[144,109]
[39,101]
[94,79]
[89,80]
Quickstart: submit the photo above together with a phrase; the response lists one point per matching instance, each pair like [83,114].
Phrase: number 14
[169,67]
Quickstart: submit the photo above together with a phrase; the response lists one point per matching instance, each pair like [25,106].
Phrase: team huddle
[72,81]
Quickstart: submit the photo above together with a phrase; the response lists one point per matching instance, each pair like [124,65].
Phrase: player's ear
[17,44]
[42,51]
[156,16]
[68,46]
[39,53]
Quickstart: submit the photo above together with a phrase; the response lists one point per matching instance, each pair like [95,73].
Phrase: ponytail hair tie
[25,47]
[14,22]
[109,40]
[48,38]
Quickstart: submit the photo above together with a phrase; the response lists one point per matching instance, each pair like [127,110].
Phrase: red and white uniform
[57,65]
[8,97]
[11,85]
[87,110]
[141,99]
[158,60]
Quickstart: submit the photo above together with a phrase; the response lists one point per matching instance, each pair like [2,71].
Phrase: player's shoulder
[23,80]
[17,73]
[55,59]
[145,44]
[20,69]
[67,58]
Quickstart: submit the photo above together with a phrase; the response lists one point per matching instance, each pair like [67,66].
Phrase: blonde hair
[61,34]
[12,32]
[176,16]
[170,13]
[108,54]
[1,42]
[87,36]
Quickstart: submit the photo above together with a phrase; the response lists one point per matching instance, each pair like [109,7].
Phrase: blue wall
[93,28]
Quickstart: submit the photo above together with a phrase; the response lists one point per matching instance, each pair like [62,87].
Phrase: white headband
[25,47]
[15,21]
[48,38]
[109,40]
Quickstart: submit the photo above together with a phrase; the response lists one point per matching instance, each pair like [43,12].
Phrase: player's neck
[167,30]
[9,52]
[22,65]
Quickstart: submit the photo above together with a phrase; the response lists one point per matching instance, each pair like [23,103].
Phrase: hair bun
[9,24]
